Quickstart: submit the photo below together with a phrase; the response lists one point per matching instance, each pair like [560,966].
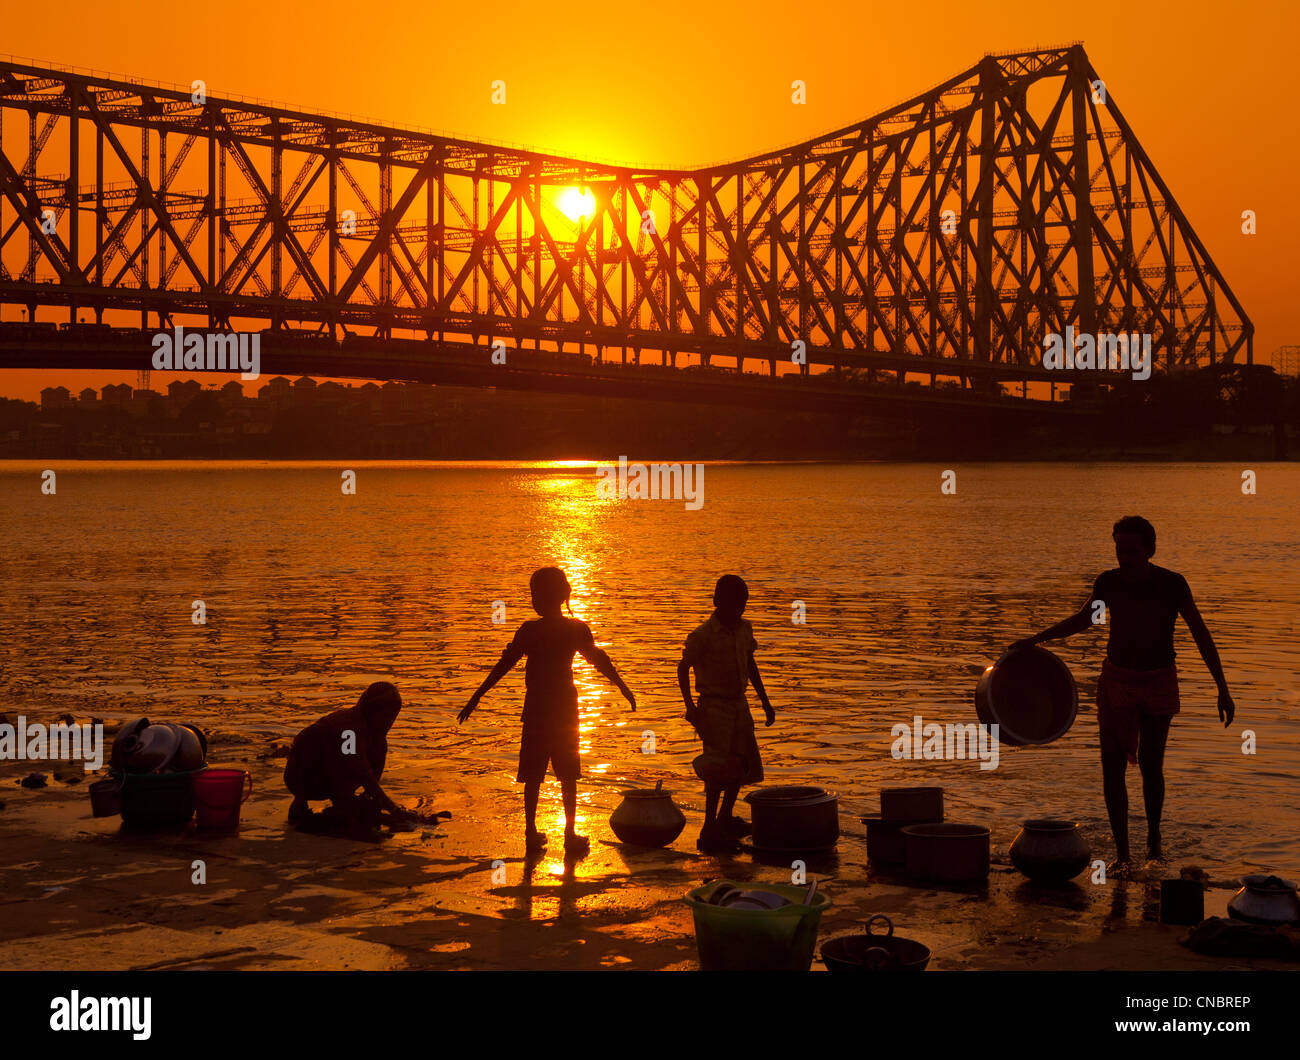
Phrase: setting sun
[576,202]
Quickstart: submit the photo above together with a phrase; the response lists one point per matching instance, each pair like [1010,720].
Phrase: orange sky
[1207,87]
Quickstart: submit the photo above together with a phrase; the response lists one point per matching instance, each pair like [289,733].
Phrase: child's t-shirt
[550,645]
[720,657]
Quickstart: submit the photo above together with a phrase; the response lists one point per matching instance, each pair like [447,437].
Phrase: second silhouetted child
[721,652]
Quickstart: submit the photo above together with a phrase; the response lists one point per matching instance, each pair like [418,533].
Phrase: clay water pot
[647,817]
[1265,900]
[1050,851]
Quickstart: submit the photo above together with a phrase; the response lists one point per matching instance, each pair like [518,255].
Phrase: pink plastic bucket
[218,794]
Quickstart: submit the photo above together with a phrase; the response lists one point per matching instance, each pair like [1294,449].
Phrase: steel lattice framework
[943,236]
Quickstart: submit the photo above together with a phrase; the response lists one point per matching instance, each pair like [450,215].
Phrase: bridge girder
[954,230]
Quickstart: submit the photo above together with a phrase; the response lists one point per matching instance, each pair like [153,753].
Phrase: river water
[909,593]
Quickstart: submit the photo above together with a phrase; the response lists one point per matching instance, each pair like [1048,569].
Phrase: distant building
[330,392]
[232,394]
[182,392]
[304,390]
[55,397]
[116,394]
[277,392]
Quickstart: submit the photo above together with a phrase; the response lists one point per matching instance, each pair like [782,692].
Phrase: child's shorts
[727,729]
[549,738]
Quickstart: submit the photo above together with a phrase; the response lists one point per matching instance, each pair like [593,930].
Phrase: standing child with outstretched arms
[550,717]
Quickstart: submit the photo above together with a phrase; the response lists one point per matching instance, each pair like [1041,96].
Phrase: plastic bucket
[157,801]
[218,795]
[106,798]
[767,940]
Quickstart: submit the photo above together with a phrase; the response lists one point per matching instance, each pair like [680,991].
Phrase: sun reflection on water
[568,507]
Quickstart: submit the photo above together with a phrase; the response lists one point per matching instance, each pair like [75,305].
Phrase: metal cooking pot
[871,953]
[1030,695]
[794,818]
[947,853]
[885,840]
[914,804]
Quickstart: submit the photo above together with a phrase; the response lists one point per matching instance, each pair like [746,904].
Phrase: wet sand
[78,894]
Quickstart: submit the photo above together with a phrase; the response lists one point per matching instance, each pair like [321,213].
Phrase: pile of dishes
[771,927]
[151,775]
[143,746]
[733,897]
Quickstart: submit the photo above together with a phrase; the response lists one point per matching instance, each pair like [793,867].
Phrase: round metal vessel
[1030,695]
[947,853]
[794,818]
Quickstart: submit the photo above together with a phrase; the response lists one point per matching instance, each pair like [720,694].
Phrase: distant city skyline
[188,386]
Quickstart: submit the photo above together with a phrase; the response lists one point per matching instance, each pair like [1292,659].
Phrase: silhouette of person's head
[730,596]
[549,588]
[379,705]
[1135,541]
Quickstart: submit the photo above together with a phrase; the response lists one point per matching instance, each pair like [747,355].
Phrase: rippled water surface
[909,594]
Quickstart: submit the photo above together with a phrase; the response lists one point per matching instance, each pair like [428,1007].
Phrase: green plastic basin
[761,940]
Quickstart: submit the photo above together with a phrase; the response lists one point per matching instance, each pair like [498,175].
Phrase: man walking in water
[1137,692]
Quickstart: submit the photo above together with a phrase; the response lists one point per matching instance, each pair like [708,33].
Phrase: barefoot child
[550,717]
[344,751]
[721,652]
[1137,692]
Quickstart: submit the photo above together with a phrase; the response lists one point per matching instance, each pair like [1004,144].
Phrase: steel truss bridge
[920,255]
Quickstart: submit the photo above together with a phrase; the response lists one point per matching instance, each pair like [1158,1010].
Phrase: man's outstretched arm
[1205,645]
[1076,623]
